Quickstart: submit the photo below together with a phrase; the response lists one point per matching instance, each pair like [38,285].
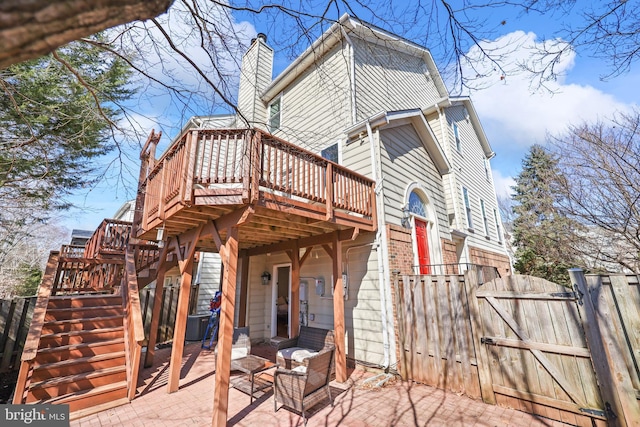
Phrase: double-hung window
[274,114]
[467,206]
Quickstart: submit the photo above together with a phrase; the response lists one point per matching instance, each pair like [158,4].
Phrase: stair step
[58,326]
[56,354]
[77,337]
[54,314]
[113,394]
[69,384]
[78,301]
[76,366]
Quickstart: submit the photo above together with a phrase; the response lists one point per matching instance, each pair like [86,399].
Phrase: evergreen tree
[57,117]
[542,236]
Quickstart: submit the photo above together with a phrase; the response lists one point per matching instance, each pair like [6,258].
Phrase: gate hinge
[579,295]
[565,295]
[595,412]
[486,340]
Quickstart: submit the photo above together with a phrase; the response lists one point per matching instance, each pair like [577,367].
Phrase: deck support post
[338,311]
[294,321]
[185,261]
[229,255]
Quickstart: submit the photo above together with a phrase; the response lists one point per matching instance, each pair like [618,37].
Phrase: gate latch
[487,340]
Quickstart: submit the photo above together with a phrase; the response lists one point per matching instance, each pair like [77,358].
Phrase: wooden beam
[303,243]
[225,336]
[157,305]
[306,254]
[294,321]
[338,312]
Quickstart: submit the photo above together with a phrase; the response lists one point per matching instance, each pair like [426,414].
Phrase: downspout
[352,75]
[383,252]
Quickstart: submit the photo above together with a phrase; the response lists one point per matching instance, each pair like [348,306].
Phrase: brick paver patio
[355,404]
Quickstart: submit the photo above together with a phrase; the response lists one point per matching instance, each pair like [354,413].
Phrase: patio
[397,404]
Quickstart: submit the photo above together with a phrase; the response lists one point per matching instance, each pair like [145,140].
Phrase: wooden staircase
[85,340]
[81,357]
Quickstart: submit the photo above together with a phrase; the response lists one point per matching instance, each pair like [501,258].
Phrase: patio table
[251,383]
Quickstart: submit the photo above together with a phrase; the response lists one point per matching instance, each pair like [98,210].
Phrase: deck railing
[247,162]
[110,237]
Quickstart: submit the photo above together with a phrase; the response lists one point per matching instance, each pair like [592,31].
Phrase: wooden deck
[293,193]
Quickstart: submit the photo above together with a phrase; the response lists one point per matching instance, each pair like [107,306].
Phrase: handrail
[134,328]
[111,236]
[35,329]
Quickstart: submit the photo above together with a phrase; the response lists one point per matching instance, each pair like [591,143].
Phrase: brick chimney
[255,76]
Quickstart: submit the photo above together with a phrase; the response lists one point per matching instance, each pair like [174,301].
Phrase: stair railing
[133,326]
[35,330]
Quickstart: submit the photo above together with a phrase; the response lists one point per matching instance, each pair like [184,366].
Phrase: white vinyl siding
[471,173]
[388,80]
[209,280]
[316,107]
[363,323]
[255,76]
[404,161]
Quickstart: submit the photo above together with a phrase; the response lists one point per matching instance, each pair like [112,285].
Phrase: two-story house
[362,167]
[376,104]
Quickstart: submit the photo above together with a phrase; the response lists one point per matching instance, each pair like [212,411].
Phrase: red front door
[423,247]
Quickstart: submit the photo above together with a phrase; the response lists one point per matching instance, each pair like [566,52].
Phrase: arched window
[417,205]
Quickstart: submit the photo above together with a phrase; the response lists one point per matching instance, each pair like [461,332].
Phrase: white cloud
[502,183]
[513,113]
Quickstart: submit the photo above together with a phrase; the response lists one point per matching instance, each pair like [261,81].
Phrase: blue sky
[513,115]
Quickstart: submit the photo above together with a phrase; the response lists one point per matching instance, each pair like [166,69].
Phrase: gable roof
[415,118]
[334,35]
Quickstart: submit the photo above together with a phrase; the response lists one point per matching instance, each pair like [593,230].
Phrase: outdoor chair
[293,352]
[241,344]
[304,386]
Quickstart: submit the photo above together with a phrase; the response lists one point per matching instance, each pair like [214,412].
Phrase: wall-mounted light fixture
[266,278]
[406,223]
[160,236]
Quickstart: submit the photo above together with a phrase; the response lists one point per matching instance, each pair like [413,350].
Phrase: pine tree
[543,237]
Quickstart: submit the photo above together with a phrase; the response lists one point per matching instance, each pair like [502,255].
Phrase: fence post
[484,372]
[615,385]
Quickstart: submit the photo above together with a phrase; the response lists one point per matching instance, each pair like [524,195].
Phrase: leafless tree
[600,164]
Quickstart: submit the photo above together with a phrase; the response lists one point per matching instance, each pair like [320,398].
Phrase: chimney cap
[262,36]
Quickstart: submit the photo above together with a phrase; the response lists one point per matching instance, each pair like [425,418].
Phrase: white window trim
[498,221]
[456,137]
[274,100]
[485,219]
[468,211]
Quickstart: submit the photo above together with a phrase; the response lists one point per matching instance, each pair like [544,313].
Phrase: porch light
[266,277]
[160,236]
[405,216]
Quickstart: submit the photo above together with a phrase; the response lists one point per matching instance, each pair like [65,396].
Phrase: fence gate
[436,342]
[533,354]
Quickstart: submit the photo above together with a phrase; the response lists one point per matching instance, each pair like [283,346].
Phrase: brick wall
[449,254]
[400,249]
[483,257]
